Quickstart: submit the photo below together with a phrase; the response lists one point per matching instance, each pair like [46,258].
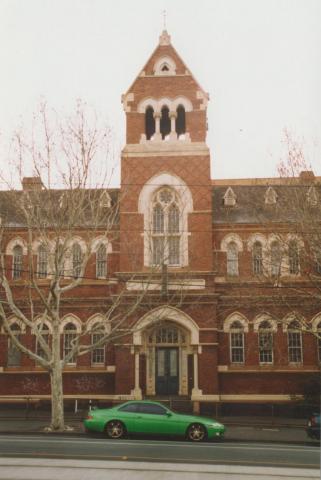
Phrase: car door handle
[139,416]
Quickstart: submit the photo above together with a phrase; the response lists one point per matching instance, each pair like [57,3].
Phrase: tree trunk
[57,400]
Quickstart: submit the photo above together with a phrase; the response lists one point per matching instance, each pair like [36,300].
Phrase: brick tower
[165,215]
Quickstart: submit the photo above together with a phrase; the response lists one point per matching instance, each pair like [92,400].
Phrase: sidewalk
[248,429]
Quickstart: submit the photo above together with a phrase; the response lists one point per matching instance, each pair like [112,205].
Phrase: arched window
[166,234]
[257,259]
[237,342]
[180,121]
[165,122]
[70,340]
[319,340]
[98,353]
[265,337]
[232,265]
[76,260]
[101,261]
[14,354]
[17,262]
[275,259]
[294,263]
[167,334]
[43,331]
[149,123]
[294,342]
[42,263]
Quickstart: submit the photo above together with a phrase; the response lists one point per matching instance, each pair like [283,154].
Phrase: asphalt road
[99,448]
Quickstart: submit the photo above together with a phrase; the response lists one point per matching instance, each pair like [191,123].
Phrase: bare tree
[65,218]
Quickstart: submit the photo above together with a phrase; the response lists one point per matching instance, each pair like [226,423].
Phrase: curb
[308,442]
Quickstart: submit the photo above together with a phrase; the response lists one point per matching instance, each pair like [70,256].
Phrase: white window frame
[233,332]
[293,333]
[232,260]
[265,331]
[17,262]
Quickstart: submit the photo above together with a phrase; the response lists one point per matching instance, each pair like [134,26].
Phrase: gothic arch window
[257,258]
[265,340]
[294,342]
[166,231]
[76,260]
[166,334]
[232,259]
[237,342]
[42,261]
[97,334]
[17,258]
[180,126]
[149,122]
[275,259]
[101,261]
[294,262]
[165,122]
[69,341]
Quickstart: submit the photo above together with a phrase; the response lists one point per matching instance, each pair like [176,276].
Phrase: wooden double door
[167,371]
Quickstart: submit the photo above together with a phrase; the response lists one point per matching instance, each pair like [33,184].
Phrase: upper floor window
[257,258]
[165,122]
[275,259]
[17,262]
[294,342]
[149,122]
[76,260]
[265,338]
[232,259]
[166,228]
[180,126]
[101,261]
[237,342]
[42,262]
[294,262]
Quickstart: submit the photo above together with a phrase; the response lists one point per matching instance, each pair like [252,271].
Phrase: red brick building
[212,327]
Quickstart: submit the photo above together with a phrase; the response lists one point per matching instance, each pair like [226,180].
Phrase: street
[146,450]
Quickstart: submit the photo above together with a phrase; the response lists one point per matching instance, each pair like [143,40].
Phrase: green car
[146,417]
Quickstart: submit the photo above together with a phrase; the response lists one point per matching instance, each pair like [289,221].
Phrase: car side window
[131,407]
[151,408]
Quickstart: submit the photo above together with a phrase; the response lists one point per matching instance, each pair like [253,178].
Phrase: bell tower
[165,168]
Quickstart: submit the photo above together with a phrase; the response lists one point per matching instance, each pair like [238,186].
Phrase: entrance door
[166,371]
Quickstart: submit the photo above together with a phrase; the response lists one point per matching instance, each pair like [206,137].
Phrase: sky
[258,59]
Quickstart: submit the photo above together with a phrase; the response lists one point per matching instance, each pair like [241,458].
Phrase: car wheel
[196,432]
[115,429]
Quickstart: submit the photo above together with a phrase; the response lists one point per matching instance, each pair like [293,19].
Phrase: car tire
[115,429]
[196,432]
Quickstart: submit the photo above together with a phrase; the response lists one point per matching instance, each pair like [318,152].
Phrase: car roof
[143,402]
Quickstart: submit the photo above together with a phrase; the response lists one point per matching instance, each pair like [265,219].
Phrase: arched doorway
[166,344]
[166,338]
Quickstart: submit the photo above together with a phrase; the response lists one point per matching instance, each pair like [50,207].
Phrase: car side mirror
[169,414]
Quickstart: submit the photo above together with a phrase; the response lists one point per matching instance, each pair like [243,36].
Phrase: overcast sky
[258,59]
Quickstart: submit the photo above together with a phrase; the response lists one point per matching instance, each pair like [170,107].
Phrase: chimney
[306,176]
[31,184]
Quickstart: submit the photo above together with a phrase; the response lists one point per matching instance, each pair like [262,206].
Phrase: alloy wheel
[115,429]
[196,432]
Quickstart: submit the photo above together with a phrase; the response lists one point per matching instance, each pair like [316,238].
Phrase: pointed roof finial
[164,39]
[164,19]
